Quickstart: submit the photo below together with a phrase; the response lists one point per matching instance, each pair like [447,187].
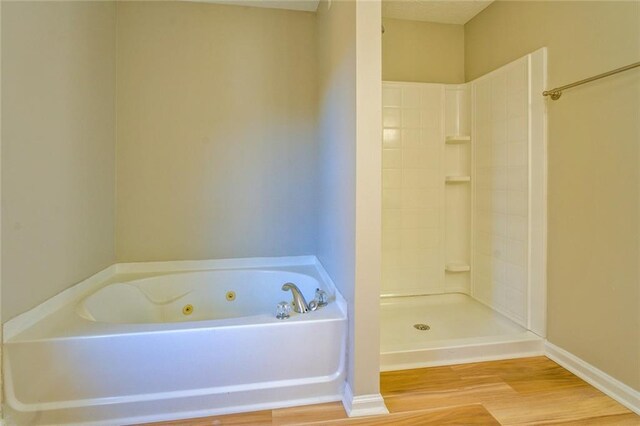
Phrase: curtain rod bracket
[554,94]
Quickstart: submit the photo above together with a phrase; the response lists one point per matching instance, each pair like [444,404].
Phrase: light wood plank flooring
[527,391]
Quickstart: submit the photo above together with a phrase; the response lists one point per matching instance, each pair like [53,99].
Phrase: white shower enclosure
[464,190]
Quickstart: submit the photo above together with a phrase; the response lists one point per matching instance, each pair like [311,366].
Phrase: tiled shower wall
[413,193]
[500,144]
[426,221]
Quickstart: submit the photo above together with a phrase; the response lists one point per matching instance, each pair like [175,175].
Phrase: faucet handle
[283,310]
[321,297]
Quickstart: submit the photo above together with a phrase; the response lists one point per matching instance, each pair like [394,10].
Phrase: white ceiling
[304,5]
[442,11]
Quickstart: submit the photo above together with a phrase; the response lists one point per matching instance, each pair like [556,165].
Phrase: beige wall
[58,132]
[349,220]
[593,186]
[337,142]
[1,328]
[422,52]
[216,147]
[337,154]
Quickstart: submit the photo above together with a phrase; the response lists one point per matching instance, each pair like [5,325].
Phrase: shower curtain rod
[557,92]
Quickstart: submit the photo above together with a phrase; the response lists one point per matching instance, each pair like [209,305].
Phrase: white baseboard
[363,405]
[614,388]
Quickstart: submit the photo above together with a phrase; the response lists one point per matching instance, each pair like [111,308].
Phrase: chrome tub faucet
[299,303]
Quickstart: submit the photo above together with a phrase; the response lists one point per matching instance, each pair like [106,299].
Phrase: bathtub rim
[77,292]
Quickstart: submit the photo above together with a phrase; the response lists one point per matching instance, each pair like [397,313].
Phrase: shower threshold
[444,329]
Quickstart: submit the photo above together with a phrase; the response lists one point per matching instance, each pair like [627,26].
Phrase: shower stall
[463,219]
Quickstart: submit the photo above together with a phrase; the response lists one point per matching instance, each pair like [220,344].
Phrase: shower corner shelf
[457,139]
[457,179]
[457,267]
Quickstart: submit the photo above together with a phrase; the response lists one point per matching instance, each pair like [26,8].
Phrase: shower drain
[421,327]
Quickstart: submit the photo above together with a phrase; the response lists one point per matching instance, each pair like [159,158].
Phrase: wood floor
[513,392]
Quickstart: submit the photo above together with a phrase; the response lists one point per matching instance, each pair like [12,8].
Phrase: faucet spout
[299,303]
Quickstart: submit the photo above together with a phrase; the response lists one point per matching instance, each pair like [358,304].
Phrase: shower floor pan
[444,329]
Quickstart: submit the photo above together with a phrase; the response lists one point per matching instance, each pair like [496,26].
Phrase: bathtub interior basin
[195,296]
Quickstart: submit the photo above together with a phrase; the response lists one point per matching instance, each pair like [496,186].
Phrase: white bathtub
[128,353]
